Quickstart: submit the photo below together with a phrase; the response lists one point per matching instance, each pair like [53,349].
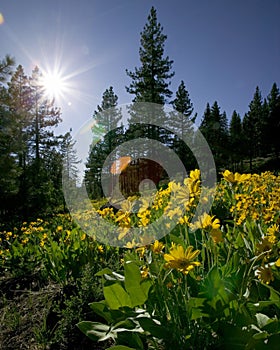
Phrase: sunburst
[54,84]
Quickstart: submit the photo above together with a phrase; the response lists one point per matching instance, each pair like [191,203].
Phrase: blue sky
[221,49]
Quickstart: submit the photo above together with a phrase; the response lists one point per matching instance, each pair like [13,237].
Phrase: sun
[54,84]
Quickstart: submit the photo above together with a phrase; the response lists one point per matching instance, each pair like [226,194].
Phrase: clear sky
[222,49]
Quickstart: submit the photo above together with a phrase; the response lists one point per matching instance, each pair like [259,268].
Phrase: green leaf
[214,289]
[101,309]
[155,329]
[105,271]
[195,305]
[131,339]
[263,320]
[116,296]
[262,335]
[94,330]
[136,287]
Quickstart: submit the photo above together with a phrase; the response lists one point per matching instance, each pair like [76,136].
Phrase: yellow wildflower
[277,262]
[130,245]
[272,233]
[173,186]
[100,249]
[59,228]
[207,222]
[144,218]
[234,178]
[24,241]
[123,219]
[145,272]
[157,247]
[195,175]
[193,186]
[141,251]
[241,177]
[180,259]
[184,220]
[83,237]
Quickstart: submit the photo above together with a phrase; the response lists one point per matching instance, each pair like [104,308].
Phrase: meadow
[212,283]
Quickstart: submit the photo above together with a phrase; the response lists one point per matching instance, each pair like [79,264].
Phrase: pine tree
[106,127]
[236,141]
[42,147]
[107,114]
[70,158]
[253,126]
[9,169]
[45,115]
[273,121]
[183,123]
[150,82]
[20,104]
[215,130]
[6,69]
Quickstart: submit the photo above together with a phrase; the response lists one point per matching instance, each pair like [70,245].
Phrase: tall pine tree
[151,80]
[236,141]
[273,122]
[149,83]
[183,123]
[215,130]
[253,126]
[107,118]
[9,169]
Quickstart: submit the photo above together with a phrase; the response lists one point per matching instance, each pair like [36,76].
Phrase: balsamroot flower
[234,178]
[157,247]
[180,259]
[207,222]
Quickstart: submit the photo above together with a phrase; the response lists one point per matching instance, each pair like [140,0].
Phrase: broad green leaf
[137,291]
[116,296]
[131,339]
[101,309]
[94,330]
[156,330]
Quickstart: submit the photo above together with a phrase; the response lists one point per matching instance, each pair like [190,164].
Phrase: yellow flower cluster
[176,202]
[253,196]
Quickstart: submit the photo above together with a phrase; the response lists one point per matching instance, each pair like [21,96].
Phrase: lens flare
[120,164]
[1,19]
